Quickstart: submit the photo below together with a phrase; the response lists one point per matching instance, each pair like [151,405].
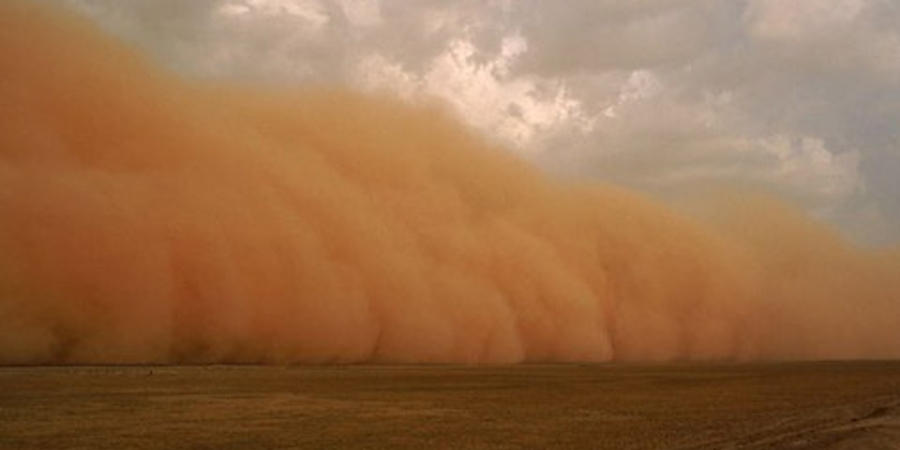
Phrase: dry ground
[681,406]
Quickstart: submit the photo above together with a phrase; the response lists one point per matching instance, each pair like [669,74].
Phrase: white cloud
[641,84]
[310,11]
[483,93]
[363,13]
[801,19]
[806,165]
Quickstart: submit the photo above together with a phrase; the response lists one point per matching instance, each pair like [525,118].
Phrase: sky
[799,97]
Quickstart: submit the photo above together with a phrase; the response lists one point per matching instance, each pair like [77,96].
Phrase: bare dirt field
[682,406]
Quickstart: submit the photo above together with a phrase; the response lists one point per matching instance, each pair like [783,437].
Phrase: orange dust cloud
[145,218]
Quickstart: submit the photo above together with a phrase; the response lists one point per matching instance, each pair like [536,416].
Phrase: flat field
[833,405]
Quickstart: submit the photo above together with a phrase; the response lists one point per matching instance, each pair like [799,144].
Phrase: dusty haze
[145,218]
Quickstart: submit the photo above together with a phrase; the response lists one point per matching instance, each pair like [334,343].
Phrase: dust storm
[149,218]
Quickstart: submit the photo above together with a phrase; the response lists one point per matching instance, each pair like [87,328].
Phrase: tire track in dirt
[873,425]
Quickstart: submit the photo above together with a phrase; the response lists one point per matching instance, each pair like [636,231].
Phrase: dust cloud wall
[150,219]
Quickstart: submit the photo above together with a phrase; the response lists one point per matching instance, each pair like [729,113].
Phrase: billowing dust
[146,218]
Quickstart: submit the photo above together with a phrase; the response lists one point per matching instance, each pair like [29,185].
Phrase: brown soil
[682,406]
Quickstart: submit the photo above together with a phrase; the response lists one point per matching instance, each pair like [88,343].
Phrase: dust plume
[146,218]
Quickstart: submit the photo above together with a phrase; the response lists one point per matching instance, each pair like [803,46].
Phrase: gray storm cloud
[145,217]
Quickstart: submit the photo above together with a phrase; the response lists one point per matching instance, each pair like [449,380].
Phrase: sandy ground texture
[681,406]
